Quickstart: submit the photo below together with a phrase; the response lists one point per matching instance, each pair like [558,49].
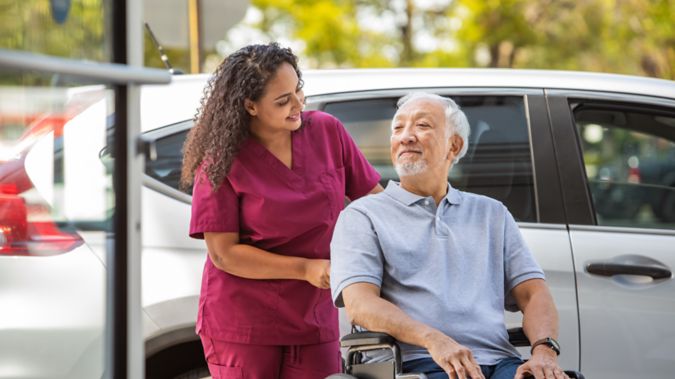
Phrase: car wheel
[198,373]
[184,361]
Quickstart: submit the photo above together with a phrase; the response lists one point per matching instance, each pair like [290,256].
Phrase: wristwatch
[548,341]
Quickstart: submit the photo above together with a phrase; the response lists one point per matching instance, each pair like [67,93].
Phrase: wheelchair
[359,342]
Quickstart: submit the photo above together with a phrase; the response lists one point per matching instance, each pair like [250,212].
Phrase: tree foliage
[621,36]
[28,25]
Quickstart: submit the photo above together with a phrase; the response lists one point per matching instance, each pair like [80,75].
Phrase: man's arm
[540,320]
[366,308]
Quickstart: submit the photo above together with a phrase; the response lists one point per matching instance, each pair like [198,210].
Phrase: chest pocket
[333,185]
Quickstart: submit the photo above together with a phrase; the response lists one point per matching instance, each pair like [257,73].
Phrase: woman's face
[280,105]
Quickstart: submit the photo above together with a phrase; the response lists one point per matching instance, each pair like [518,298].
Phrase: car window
[498,163]
[167,156]
[629,155]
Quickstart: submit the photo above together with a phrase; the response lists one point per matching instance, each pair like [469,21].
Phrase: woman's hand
[317,272]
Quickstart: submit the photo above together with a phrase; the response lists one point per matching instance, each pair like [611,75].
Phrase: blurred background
[61,186]
[619,36]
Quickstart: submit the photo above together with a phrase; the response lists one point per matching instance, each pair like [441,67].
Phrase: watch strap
[548,341]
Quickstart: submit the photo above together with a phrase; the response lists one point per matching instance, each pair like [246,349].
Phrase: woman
[268,184]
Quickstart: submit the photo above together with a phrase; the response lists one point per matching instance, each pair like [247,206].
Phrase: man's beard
[410,168]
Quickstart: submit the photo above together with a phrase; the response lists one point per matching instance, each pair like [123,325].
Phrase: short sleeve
[360,176]
[355,253]
[519,263]
[213,211]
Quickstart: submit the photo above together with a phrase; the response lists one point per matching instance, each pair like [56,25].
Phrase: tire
[197,373]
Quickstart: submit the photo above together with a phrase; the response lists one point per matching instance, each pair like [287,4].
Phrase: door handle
[630,265]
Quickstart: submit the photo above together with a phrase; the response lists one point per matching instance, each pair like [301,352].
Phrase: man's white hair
[455,119]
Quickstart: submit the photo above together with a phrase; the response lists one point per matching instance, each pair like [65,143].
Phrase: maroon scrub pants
[228,360]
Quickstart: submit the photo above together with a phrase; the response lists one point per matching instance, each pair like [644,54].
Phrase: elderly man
[435,267]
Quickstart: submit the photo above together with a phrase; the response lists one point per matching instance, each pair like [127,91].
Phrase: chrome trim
[612,96]
[167,130]
[356,79]
[533,225]
[166,190]
[99,71]
[621,229]
[533,162]
[315,101]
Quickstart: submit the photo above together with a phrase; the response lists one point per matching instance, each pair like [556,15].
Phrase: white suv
[585,162]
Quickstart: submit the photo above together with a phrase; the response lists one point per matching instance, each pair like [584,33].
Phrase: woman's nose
[298,100]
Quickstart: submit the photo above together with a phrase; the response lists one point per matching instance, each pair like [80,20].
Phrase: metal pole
[124,338]
[116,258]
[195,38]
[135,352]
[90,71]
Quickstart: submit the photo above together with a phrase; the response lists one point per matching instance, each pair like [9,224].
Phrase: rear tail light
[26,223]
[13,218]
[634,169]
[634,175]
[18,236]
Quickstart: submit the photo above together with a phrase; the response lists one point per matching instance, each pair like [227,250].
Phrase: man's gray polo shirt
[451,267]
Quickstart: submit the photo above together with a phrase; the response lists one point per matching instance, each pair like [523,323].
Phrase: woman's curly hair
[222,122]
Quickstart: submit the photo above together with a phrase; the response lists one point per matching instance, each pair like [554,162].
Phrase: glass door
[69,261]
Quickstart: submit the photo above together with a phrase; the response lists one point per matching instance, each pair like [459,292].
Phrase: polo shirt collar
[408,198]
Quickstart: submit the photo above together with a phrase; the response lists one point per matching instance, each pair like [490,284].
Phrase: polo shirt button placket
[441,228]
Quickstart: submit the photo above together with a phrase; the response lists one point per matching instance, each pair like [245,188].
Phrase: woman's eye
[283,102]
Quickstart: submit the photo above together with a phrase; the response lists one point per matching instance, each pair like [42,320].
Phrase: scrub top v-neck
[287,211]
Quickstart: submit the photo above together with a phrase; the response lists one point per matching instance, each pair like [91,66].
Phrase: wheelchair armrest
[359,342]
[517,337]
[575,374]
[366,338]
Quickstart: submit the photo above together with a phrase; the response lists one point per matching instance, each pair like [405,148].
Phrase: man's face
[419,139]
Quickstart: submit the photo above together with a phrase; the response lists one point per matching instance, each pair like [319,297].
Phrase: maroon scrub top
[284,211]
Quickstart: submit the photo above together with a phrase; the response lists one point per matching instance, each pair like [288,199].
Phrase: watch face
[553,344]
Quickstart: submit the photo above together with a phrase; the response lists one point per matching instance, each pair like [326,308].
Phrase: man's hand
[317,272]
[542,365]
[455,359]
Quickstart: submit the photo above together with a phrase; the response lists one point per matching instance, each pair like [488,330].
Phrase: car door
[509,158]
[617,163]
[172,262]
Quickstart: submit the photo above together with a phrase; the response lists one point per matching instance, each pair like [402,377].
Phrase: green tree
[329,30]
[28,25]
[622,36]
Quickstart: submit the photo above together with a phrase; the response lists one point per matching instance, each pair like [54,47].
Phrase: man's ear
[456,144]
[250,107]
